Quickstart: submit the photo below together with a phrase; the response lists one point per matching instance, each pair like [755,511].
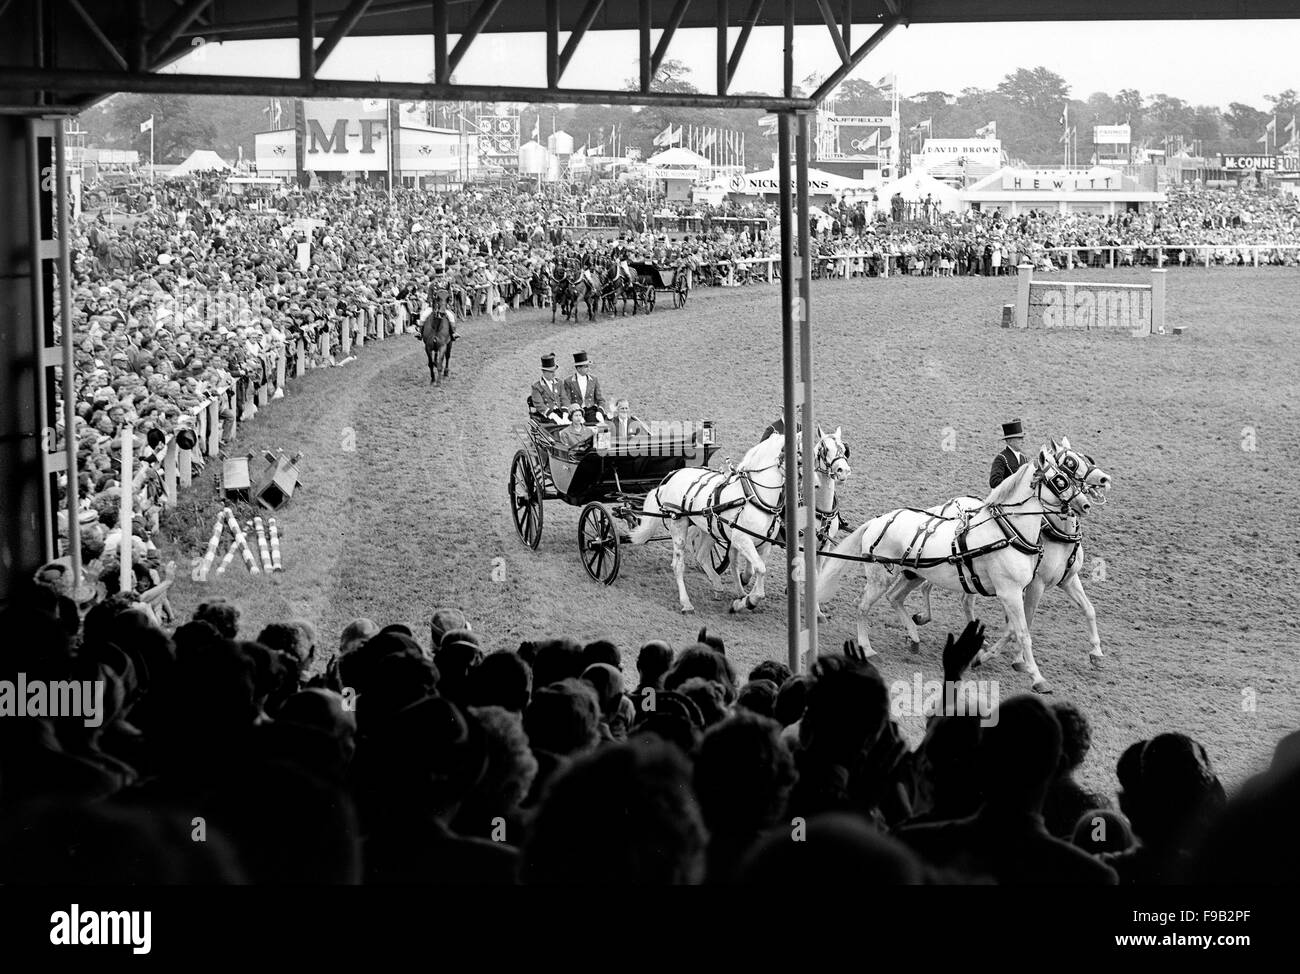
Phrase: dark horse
[564,297]
[435,332]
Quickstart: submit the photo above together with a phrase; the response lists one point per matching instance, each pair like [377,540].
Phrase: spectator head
[709,697]
[607,681]
[699,660]
[652,662]
[758,697]
[456,656]
[743,774]
[1179,792]
[501,680]
[221,614]
[556,660]
[771,669]
[1020,755]
[1076,735]
[355,633]
[791,700]
[602,651]
[846,710]
[511,766]
[443,621]
[563,718]
[1100,831]
[837,848]
[290,640]
[625,814]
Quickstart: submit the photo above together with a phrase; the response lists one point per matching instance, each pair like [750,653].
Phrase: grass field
[403,505]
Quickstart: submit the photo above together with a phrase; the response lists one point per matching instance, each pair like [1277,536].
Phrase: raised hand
[958,653]
[854,651]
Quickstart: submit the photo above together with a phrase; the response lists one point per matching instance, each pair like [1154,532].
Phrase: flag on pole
[872,140]
[768,123]
[1263,139]
[989,131]
[888,81]
[1065,116]
[537,129]
[709,137]
[147,125]
[664,137]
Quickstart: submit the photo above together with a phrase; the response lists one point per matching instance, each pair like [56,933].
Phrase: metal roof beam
[661,49]
[828,15]
[342,27]
[176,25]
[106,82]
[844,70]
[475,27]
[746,27]
[306,38]
[98,34]
[585,20]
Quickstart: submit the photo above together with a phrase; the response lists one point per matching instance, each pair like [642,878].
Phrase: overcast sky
[1202,62]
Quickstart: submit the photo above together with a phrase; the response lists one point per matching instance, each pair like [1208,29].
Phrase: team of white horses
[1022,539]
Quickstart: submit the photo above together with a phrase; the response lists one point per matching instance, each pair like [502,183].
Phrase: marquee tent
[916,186]
[820,183]
[200,160]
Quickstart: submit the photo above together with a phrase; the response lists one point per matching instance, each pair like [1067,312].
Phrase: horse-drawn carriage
[608,478]
[651,279]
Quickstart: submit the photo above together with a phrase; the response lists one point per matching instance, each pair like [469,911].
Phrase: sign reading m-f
[337,140]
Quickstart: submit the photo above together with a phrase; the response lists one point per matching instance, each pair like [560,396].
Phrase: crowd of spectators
[383,757]
[194,292]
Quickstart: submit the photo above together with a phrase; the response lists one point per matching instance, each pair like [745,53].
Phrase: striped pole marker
[230,556]
[261,543]
[210,555]
[242,541]
[275,545]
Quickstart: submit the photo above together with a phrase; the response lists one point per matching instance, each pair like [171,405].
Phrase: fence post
[1112,258]
[169,472]
[1207,258]
[769,270]
[280,364]
[214,427]
[1256,252]
[1158,301]
[1025,273]
[126,578]
[300,367]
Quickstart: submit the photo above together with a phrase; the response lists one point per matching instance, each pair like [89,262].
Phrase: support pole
[68,381]
[126,579]
[787,389]
[806,379]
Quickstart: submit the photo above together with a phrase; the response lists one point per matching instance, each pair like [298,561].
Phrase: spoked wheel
[650,299]
[598,543]
[525,501]
[679,296]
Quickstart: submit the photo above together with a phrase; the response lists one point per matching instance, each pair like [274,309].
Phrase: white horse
[992,550]
[1062,541]
[741,507]
[830,468]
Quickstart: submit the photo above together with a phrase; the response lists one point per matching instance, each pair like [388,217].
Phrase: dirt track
[1197,609]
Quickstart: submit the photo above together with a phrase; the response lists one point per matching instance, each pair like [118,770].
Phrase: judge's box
[235,482]
[275,486]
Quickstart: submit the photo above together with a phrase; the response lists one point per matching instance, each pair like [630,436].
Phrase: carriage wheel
[650,299]
[598,543]
[525,501]
[679,295]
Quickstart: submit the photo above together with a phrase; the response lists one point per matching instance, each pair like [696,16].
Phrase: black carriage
[651,279]
[608,478]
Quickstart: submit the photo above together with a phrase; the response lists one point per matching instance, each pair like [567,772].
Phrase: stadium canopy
[57,57]
[200,160]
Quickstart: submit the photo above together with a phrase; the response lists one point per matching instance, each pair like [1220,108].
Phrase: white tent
[916,186]
[820,183]
[200,160]
[677,163]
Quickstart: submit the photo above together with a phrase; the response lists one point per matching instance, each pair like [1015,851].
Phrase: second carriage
[651,280]
[608,478]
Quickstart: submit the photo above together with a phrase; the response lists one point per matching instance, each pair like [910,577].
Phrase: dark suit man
[624,425]
[583,388]
[547,398]
[1010,459]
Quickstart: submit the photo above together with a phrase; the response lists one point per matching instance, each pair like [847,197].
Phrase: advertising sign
[346,136]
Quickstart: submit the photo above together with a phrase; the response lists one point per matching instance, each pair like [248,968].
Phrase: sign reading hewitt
[1061,180]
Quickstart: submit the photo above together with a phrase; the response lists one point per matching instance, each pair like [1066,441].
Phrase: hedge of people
[376,755]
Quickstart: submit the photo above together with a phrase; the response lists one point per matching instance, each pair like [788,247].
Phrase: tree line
[1027,105]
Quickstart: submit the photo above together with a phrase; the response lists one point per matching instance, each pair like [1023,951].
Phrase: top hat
[548,363]
[580,359]
[1012,430]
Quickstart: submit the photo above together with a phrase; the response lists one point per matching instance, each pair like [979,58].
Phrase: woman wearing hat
[1010,459]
